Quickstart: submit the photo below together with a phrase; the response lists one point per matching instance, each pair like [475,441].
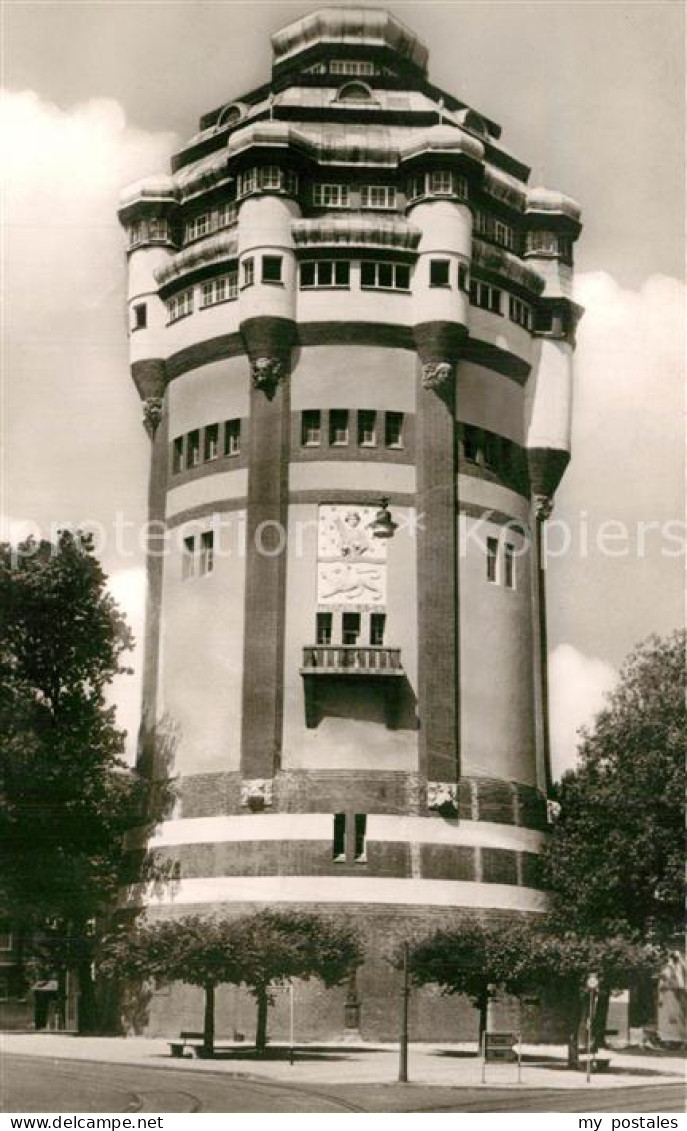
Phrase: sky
[591,95]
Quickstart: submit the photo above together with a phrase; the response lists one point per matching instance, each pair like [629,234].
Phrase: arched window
[230,114]
[355,92]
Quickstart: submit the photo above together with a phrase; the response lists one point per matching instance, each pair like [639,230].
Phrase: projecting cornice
[371,231]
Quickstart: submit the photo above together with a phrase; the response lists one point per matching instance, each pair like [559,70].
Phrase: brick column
[268,341]
[438,346]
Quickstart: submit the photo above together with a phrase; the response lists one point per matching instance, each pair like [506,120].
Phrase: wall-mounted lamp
[383,525]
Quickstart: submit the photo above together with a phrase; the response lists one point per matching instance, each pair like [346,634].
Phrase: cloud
[627,465]
[578,686]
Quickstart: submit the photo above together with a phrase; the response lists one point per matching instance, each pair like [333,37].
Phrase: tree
[260,951]
[475,958]
[66,795]
[563,962]
[614,862]
[199,951]
[280,946]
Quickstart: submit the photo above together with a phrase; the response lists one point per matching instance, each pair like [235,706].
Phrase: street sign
[499,1048]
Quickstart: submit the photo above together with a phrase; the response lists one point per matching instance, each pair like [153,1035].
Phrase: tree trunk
[88,1010]
[574,1017]
[600,1020]
[261,1029]
[483,1007]
[209,1020]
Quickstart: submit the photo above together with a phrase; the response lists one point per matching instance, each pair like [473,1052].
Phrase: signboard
[499,1048]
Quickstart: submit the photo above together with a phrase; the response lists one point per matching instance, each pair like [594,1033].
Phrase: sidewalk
[442,1065]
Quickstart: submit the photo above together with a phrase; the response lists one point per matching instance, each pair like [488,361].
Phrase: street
[54,1085]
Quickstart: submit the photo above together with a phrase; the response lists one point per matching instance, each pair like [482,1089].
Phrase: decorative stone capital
[442,796]
[256,794]
[437,375]
[266,373]
[152,414]
[543,505]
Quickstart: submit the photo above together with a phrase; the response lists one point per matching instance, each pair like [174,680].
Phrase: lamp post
[403,1054]
[592,988]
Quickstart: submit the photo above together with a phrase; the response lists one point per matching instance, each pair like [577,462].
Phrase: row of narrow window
[371,427]
[224,439]
[349,629]
[198,559]
[336,273]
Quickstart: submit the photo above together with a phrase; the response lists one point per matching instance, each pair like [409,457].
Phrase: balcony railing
[351,659]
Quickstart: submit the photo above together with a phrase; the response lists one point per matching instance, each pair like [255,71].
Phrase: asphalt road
[32,1084]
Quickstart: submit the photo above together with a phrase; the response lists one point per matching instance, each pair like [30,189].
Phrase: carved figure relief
[351,569]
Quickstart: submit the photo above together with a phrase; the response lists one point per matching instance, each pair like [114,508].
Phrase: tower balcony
[371,662]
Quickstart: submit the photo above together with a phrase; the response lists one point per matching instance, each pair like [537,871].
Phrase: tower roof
[349,27]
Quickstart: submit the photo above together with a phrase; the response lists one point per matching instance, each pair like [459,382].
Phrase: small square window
[377,626]
[338,426]
[248,267]
[232,437]
[271,268]
[211,442]
[193,449]
[393,430]
[367,428]
[140,316]
[439,273]
[207,552]
[311,428]
[492,558]
[307,274]
[324,628]
[350,625]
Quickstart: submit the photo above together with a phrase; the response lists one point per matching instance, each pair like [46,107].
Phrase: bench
[600,1061]
[194,1040]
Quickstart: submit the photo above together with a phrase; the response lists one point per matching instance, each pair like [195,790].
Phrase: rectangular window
[485,296]
[385,276]
[367,428]
[492,558]
[247,182]
[271,268]
[330,196]
[470,444]
[193,449]
[6,941]
[339,838]
[503,234]
[227,214]
[360,832]
[377,196]
[135,232]
[393,430]
[232,437]
[377,626]
[542,243]
[188,560]
[140,316]
[178,455]
[543,321]
[211,442]
[248,266]
[311,428]
[519,312]
[207,552]
[439,273]
[222,289]
[180,305]
[351,67]
[291,182]
[463,277]
[509,566]
[415,187]
[324,628]
[198,226]
[271,177]
[350,628]
[338,426]
[441,182]
[491,450]
[158,229]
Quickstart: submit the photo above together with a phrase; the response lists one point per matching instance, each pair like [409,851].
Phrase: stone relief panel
[351,562]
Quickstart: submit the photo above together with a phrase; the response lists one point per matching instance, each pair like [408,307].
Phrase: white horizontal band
[337,889]
[318,826]
[214,488]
